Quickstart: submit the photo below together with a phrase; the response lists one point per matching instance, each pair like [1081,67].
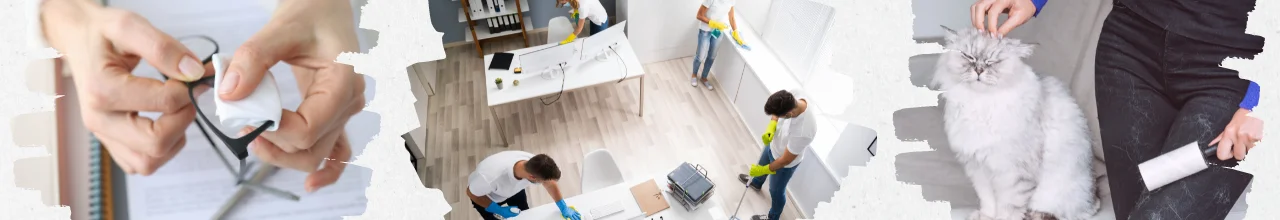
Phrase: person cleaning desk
[713,14]
[781,156]
[584,10]
[500,179]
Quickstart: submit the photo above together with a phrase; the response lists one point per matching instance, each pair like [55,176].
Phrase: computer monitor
[549,58]
[599,43]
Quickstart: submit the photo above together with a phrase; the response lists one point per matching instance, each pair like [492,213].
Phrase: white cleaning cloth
[261,106]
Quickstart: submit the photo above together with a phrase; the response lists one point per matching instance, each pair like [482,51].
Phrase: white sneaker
[708,84]
[693,81]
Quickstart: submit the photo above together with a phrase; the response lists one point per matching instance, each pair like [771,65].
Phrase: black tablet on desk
[501,61]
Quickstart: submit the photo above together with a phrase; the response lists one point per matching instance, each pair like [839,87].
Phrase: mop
[744,196]
[767,138]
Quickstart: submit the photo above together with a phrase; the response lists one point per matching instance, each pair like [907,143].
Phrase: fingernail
[229,82]
[191,68]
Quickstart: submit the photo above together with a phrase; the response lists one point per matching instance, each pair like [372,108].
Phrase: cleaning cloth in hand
[261,106]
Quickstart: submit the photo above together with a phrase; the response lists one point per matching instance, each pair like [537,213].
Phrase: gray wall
[444,16]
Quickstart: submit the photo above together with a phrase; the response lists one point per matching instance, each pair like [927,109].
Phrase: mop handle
[744,195]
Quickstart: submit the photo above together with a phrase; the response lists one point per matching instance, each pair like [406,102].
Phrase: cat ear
[951,33]
[1024,50]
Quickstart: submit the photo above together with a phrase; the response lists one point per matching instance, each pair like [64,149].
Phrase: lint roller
[1175,165]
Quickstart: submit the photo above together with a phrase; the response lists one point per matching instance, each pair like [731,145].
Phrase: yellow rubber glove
[768,132]
[570,39]
[716,25]
[758,170]
[739,39]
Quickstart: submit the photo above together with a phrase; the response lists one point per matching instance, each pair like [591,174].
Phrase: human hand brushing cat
[986,15]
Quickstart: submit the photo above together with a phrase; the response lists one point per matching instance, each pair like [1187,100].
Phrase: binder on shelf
[502,26]
[510,23]
[492,24]
[477,6]
[502,5]
[516,19]
[493,8]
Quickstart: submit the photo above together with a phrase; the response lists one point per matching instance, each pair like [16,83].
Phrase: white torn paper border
[405,37]
[873,34]
[1262,160]
[15,56]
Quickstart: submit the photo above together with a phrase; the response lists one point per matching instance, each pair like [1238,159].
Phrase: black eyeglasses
[207,48]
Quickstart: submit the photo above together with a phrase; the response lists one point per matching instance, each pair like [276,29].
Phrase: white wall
[932,13]
[668,29]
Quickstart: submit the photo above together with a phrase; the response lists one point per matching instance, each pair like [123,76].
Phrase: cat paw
[977,215]
[1035,215]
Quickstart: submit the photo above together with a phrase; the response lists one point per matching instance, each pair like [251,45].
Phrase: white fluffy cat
[1022,139]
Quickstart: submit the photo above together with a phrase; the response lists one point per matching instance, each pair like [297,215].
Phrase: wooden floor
[681,124]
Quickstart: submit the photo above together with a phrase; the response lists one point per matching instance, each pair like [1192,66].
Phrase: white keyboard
[605,210]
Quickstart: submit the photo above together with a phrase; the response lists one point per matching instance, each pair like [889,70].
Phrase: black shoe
[744,178]
[759,217]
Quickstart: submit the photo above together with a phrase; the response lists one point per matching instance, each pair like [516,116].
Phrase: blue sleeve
[1250,97]
[1039,5]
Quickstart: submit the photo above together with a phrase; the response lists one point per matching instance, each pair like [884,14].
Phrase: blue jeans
[777,184]
[597,28]
[706,44]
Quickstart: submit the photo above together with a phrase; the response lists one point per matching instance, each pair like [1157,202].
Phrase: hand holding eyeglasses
[308,36]
[102,46]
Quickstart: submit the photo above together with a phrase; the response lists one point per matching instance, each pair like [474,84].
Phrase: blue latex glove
[504,211]
[568,212]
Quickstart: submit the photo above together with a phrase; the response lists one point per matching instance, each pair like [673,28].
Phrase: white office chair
[558,29]
[599,170]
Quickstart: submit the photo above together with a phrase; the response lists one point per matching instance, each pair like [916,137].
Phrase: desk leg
[498,122]
[641,96]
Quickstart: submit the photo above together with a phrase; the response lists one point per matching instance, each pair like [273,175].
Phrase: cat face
[976,59]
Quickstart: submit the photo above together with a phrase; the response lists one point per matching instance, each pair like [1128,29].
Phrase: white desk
[620,66]
[711,210]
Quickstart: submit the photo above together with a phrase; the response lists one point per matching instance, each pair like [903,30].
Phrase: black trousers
[1158,91]
[518,200]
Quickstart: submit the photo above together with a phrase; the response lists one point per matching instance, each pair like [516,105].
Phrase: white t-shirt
[717,10]
[495,176]
[794,134]
[592,10]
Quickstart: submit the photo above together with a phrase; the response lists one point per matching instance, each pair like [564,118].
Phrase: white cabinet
[728,69]
[422,81]
[750,102]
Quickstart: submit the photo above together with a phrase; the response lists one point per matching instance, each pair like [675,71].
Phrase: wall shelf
[484,34]
[471,19]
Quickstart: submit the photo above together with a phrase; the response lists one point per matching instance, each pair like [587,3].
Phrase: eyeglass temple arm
[238,146]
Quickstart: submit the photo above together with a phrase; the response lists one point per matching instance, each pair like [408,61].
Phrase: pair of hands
[568,212]
[717,26]
[103,45]
[572,36]
[761,170]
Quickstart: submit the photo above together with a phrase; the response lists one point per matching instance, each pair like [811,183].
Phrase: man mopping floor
[796,129]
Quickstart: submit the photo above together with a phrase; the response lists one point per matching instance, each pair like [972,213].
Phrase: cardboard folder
[649,197]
